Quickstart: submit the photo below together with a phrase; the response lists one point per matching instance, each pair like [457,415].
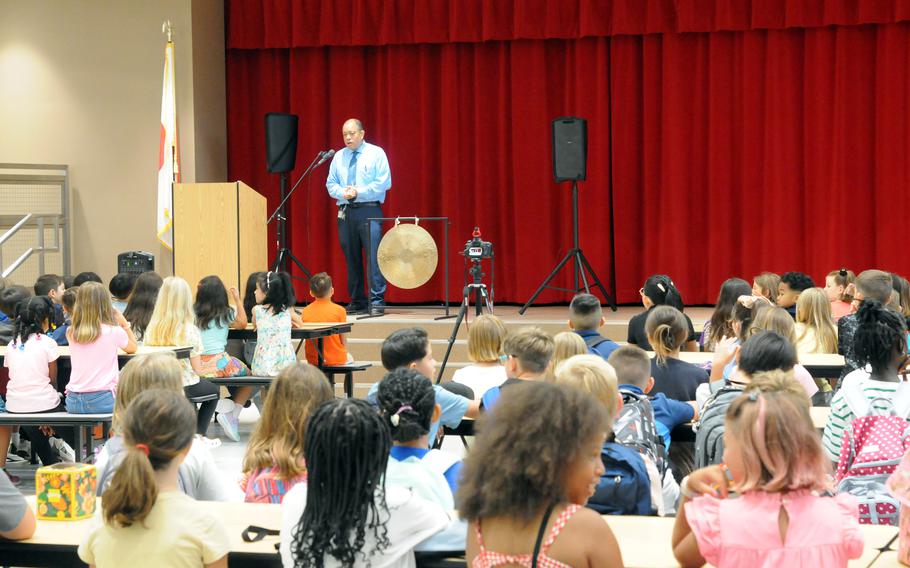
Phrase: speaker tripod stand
[580,265]
[478,290]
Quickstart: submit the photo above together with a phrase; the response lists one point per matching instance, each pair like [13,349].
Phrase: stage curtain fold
[776,138]
[253,24]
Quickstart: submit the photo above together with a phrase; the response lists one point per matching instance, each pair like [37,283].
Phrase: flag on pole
[168,150]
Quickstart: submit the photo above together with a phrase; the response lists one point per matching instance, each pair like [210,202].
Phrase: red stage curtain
[780,146]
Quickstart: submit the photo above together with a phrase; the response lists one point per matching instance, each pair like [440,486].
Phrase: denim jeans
[90,402]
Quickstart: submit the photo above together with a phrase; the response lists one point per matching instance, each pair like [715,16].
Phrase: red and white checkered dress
[488,559]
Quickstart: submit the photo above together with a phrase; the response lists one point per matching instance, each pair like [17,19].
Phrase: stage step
[382,327]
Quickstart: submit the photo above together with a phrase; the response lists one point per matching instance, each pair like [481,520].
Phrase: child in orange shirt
[323,310]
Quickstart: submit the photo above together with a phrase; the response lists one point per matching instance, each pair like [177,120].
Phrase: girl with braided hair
[659,290]
[351,517]
[879,346]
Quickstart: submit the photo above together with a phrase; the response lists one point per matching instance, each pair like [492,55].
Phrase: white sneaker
[224,406]
[14,458]
[230,424]
[64,451]
[210,443]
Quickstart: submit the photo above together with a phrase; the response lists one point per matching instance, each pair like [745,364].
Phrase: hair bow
[396,418]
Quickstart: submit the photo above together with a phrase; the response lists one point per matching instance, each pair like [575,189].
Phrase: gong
[407,256]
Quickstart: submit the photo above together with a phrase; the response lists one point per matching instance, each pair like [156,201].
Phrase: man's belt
[358,204]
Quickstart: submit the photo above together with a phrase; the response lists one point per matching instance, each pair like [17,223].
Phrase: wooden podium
[219,228]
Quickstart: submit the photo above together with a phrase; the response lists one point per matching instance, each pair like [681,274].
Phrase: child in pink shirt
[775,463]
[96,334]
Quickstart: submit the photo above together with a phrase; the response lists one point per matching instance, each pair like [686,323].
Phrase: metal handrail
[40,249]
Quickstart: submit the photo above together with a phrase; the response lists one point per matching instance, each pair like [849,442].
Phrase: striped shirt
[841,416]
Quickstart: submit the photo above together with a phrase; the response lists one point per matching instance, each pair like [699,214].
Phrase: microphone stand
[284,253]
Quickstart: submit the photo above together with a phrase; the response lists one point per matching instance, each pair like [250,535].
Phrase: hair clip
[396,418]
[143,448]
[842,272]
[268,278]
[754,394]
[749,301]
[661,287]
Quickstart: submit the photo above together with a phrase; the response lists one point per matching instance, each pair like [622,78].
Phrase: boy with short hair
[527,354]
[120,287]
[792,284]
[586,317]
[411,348]
[69,301]
[323,309]
[51,285]
[633,372]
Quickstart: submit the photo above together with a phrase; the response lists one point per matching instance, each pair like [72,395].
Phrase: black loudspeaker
[280,141]
[570,148]
[135,262]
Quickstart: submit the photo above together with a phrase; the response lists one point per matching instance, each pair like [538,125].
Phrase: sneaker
[14,479]
[24,449]
[12,457]
[224,406]
[230,425]
[210,443]
[64,451]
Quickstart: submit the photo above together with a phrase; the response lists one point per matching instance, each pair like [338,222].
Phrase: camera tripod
[478,290]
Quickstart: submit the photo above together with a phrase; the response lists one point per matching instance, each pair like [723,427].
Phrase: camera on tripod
[477,249]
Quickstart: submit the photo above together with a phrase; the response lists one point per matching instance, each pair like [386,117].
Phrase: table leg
[77,439]
[90,442]
[320,357]
[349,384]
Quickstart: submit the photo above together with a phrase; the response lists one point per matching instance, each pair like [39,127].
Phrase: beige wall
[82,86]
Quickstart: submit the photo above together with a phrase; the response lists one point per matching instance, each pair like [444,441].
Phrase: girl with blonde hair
[485,338]
[147,520]
[96,335]
[274,462]
[773,459]
[766,285]
[815,331]
[566,344]
[173,323]
[199,476]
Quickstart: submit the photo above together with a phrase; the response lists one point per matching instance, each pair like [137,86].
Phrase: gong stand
[445,264]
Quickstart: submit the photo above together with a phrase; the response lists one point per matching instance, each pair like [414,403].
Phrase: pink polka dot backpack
[872,449]
[899,485]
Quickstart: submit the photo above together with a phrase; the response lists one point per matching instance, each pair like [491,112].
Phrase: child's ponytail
[157,427]
[279,292]
[132,493]
[661,290]
[667,331]
[406,402]
[29,317]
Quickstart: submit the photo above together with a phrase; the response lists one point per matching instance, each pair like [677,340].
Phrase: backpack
[593,341]
[873,445]
[625,487]
[635,428]
[709,432]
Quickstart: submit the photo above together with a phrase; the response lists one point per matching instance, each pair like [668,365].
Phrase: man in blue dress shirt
[359,178]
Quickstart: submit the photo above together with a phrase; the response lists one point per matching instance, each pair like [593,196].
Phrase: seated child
[97,334]
[407,403]
[659,290]
[763,351]
[633,372]
[411,348]
[815,331]
[9,299]
[566,344]
[774,461]
[586,318]
[720,326]
[625,485]
[666,329]
[69,302]
[485,337]
[527,355]
[324,310]
[198,475]
[120,287]
[173,323]
[350,520]
[274,463]
[536,469]
[84,277]
[52,286]
[766,285]
[880,342]
[147,520]
[870,285]
[17,521]
[32,361]
[791,286]
[215,317]
[142,300]
[836,284]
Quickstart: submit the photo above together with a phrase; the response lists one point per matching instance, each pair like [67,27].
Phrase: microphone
[325,156]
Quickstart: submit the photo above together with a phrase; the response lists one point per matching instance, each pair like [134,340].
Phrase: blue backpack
[625,487]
